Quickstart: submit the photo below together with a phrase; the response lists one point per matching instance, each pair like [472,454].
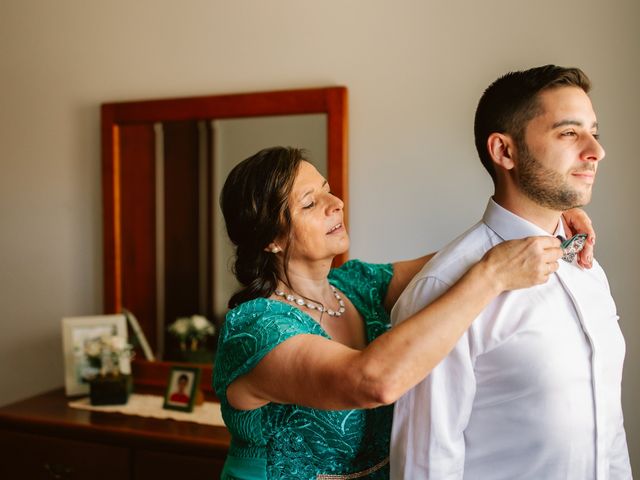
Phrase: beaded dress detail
[288,441]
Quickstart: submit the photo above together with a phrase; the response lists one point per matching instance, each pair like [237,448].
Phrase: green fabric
[288,441]
[244,468]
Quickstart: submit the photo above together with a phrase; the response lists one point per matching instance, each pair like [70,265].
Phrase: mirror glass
[237,139]
[166,251]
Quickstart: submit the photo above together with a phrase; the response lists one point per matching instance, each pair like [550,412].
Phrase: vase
[110,389]
[196,356]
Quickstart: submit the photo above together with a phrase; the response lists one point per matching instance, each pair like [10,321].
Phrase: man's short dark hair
[512,101]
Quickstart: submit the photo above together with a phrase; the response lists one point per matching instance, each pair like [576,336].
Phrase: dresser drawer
[155,465]
[29,456]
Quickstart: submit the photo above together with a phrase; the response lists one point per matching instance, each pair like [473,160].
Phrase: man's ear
[501,148]
[273,248]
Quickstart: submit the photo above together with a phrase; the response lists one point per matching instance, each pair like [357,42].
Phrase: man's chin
[584,199]
[574,200]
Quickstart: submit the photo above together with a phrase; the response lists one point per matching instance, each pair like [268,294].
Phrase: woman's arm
[317,372]
[575,221]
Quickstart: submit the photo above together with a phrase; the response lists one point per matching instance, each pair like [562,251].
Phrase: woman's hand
[577,221]
[522,263]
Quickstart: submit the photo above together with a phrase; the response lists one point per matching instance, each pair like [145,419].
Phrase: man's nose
[594,151]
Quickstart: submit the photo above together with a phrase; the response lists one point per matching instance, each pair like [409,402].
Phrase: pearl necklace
[312,306]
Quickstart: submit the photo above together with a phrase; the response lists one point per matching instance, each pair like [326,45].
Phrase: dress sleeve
[250,332]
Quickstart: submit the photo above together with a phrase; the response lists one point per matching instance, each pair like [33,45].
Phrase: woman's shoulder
[355,274]
[257,311]
[358,267]
[266,319]
[253,329]
[252,308]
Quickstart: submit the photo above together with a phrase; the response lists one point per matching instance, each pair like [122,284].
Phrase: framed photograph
[182,388]
[139,334]
[76,333]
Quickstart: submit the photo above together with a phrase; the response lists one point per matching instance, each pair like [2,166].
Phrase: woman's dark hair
[254,202]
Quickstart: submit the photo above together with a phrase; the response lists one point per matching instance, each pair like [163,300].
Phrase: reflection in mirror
[164,163]
[192,160]
[237,139]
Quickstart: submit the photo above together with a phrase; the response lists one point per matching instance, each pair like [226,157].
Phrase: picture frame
[76,331]
[182,388]
[139,334]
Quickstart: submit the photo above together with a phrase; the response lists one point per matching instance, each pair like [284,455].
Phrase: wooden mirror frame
[330,100]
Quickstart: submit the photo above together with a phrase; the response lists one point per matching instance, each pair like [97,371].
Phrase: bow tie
[572,247]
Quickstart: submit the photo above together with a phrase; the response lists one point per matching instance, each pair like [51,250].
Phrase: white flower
[191,330]
[200,323]
[180,327]
[109,353]
[93,348]
[118,344]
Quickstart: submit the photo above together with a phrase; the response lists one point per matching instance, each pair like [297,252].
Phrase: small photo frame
[139,335]
[182,388]
[76,332]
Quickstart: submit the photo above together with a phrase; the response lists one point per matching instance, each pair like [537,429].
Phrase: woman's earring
[275,250]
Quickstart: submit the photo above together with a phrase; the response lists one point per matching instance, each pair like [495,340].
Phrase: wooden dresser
[43,438]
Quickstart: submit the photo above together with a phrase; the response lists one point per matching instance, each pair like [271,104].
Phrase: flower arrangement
[109,369]
[108,355]
[190,331]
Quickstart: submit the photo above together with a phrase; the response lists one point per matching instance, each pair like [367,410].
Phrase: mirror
[238,139]
[166,254]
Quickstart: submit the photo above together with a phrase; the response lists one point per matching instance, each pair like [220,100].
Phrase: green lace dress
[280,441]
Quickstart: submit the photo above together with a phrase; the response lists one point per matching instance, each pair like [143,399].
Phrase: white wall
[415,70]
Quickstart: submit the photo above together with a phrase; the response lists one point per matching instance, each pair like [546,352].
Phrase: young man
[532,390]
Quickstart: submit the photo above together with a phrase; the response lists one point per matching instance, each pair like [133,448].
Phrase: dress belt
[360,474]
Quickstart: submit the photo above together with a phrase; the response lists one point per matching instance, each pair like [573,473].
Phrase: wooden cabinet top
[49,414]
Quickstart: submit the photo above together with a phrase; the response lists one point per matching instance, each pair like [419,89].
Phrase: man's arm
[427,441]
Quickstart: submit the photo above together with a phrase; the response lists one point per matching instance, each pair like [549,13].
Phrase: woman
[306,371]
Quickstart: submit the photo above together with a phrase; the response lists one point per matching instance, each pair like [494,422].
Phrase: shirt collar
[509,226]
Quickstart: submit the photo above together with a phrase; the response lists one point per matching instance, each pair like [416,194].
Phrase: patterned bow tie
[572,247]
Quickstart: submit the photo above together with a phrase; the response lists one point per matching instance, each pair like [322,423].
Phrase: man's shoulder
[455,258]
[443,270]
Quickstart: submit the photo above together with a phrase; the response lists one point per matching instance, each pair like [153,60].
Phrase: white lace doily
[151,406]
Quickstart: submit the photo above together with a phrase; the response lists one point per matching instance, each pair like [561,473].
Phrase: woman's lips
[336,228]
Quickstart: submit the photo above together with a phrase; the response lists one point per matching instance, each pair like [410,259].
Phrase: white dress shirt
[531,391]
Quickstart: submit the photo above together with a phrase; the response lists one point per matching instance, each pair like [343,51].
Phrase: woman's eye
[596,136]
[310,205]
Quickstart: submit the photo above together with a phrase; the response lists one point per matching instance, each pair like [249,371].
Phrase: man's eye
[568,134]
[596,136]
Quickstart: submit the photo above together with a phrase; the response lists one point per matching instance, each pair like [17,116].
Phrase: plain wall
[414,68]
